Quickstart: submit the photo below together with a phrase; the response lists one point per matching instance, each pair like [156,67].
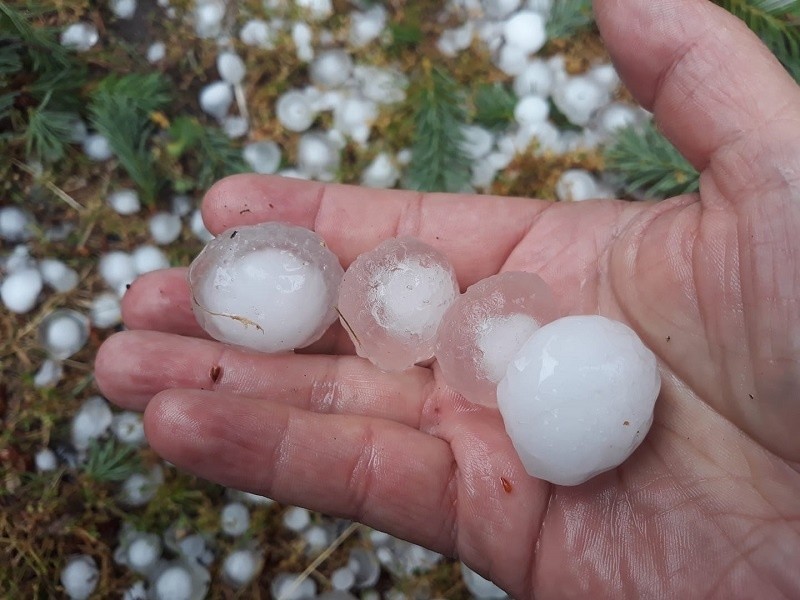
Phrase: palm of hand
[708,502]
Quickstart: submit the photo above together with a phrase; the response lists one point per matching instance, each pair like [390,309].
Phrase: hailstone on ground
[578,397]
[392,299]
[486,326]
[271,287]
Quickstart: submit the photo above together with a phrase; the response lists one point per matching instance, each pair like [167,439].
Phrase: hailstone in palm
[270,287]
[578,397]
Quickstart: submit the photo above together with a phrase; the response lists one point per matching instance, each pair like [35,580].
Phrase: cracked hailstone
[392,300]
[270,287]
[486,326]
[578,398]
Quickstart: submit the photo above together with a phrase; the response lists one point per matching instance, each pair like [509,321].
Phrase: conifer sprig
[567,17]
[110,460]
[494,105]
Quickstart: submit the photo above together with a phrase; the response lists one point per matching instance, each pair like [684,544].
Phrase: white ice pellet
[535,79]
[367,26]
[63,333]
[354,116]
[263,157]
[80,577]
[381,85]
[137,591]
[45,460]
[208,15]
[156,52]
[216,98]
[404,559]
[92,420]
[164,228]
[316,538]
[58,276]
[97,148]
[526,31]
[105,310]
[124,201]
[331,68]
[453,41]
[343,579]
[257,33]
[235,127]
[231,67]
[144,550]
[616,116]
[302,35]
[15,224]
[174,583]
[78,130]
[477,141]
[240,567]
[579,98]
[316,9]
[20,290]
[380,173]
[578,398]
[80,36]
[198,227]
[234,519]
[511,60]
[139,488]
[149,258]
[576,185]
[317,156]
[480,588]
[181,205]
[48,374]
[296,518]
[530,110]
[117,268]
[365,566]
[605,75]
[499,9]
[294,111]
[483,174]
[128,428]
[288,586]
[122,9]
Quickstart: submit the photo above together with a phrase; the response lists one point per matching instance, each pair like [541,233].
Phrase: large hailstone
[578,397]
[486,326]
[271,287]
[392,300]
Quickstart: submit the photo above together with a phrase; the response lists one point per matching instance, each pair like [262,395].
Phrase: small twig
[241,101]
[54,189]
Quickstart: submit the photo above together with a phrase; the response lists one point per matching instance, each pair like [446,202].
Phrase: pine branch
[494,105]
[111,461]
[567,17]
[41,43]
[48,132]
[647,162]
[438,162]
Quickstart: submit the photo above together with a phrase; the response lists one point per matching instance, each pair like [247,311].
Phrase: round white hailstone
[216,98]
[381,85]
[546,136]
[287,586]
[174,583]
[578,398]
[117,268]
[541,6]
[92,420]
[63,333]
[404,559]
[231,67]
[294,111]
[263,157]
[78,130]
[192,547]
[478,141]
[181,205]
[20,290]
[15,224]
[331,68]
[491,34]
[97,148]
[128,428]
[326,100]
[19,259]
[235,519]
[48,374]
[453,41]
[480,588]
[512,60]
[365,566]
[380,173]
[124,201]
[296,518]
[137,591]
[367,26]
[165,228]
[302,36]
[80,36]
[80,576]
[105,311]
[499,9]
[404,157]
[240,567]
[271,287]
[617,116]
[606,76]
[392,300]
[558,68]
[198,227]
[144,551]
[576,185]
[354,116]
[122,9]
[257,33]
[530,110]
[235,127]
[208,15]
[149,258]
[500,160]
[317,156]
[316,538]
[579,98]
[316,9]
[58,275]
[343,579]
[45,460]
[138,489]
[156,52]
[526,31]
[486,326]
[483,174]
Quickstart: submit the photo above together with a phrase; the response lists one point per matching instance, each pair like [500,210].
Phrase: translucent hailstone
[576,185]
[80,36]
[156,52]
[579,98]
[381,85]
[235,126]
[105,310]
[317,538]
[165,228]
[58,276]
[296,518]
[20,290]
[216,98]
[49,374]
[531,110]
[486,326]
[124,201]
[139,488]
[80,577]
[343,579]
[234,519]
[331,68]
[137,591]
[526,31]
[231,67]
[392,300]
[317,156]
[63,333]
[92,420]
[45,460]
[181,205]
[263,157]
[240,567]
[179,580]
[15,224]
[365,567]
[97,148]
[480,588]
[122,9]
[117,269]
[258,33]
[128,428]
[578,398]
[535,79]
[271,287]
[381,172]
[367,26]
[294,111]
[144,550]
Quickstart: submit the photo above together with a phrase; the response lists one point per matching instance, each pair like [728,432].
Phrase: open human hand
[708,506]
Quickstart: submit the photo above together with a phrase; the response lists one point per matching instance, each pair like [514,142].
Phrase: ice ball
[486,326]
[392,300]
[578,398]
[63,333]
[271,287]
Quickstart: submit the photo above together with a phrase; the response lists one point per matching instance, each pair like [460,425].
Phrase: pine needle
[647,162]
[48,132]
[110,460]
[567,17]
[494,105]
